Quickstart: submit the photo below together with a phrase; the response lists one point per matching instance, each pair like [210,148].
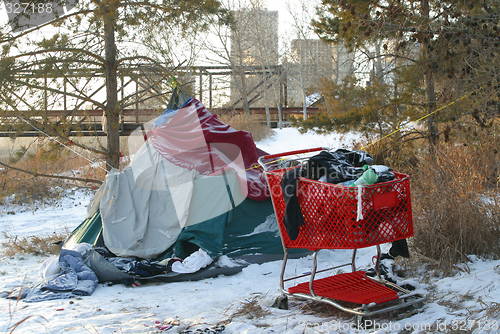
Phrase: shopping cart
[341,217]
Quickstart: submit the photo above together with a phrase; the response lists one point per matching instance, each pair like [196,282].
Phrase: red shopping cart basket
[342,217]
[331,213]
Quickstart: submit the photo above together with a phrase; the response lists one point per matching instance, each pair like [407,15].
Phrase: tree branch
[57,91]
[145,99]
[34,174]
[27,65]
[75,50]
[62,18]
[121,60]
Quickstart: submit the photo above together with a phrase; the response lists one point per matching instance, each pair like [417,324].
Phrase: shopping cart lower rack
[340,217]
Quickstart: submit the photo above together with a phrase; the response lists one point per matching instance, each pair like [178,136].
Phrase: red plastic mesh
[330,213]
[352,287]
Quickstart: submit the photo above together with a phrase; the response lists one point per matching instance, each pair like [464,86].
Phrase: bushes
[24,189]
[456,205]
[20,188]
[455,197]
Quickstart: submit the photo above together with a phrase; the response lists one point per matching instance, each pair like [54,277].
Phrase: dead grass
[250,309]
[32,245]
[456,205]
[455,198]
[492,310]
[247,123]
[322,310]
[19,188]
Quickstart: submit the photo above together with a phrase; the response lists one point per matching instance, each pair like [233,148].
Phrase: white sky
[286,19]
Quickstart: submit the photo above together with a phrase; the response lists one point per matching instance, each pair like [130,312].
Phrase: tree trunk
[429,87]
[244,94]
[431,100]
[379,71]
[112,110]
[302,85]
[266,97]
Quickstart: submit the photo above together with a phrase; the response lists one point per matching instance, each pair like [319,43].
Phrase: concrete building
[310,61]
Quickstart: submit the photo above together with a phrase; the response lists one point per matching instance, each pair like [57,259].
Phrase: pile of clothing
[65,276]
[339,167]
[149,268]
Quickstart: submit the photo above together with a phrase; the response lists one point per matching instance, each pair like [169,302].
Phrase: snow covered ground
[468,302]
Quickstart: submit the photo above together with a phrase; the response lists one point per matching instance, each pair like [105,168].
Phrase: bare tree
[264,25]
[248,44]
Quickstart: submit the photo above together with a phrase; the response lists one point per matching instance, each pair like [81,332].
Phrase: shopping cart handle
[277,155]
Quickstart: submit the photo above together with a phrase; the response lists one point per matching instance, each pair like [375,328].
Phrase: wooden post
[210,90]
[136,94]
[201,82]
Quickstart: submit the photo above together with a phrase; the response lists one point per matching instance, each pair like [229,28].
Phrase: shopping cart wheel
[362,322]
[281,302]
[418,305]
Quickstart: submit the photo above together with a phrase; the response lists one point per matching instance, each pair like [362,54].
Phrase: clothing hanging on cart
[293,217]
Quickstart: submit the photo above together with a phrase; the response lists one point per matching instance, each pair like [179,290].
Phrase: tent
[193,183]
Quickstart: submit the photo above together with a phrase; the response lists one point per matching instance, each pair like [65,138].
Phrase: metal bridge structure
[144,91]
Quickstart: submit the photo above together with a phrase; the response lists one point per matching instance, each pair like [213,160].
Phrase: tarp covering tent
[193,184]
